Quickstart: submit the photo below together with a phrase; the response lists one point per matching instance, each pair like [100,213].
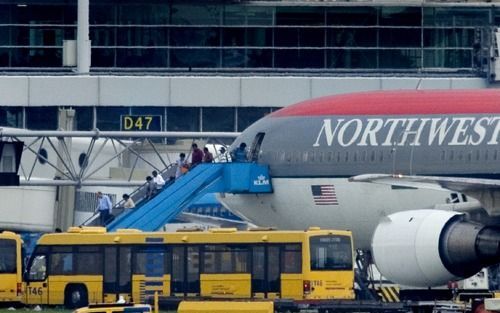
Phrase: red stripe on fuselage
[408,102]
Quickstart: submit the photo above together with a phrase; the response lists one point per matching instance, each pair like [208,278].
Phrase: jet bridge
[202,179]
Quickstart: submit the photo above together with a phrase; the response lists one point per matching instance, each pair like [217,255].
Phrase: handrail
[136,194]
[119,204]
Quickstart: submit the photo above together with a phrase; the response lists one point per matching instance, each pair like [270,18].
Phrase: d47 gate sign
[140,123]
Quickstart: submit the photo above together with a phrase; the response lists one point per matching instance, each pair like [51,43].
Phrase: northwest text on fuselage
[416,131]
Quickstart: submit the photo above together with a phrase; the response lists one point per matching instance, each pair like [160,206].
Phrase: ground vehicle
[226,307]
[115,308]
[10,267]
[89,265]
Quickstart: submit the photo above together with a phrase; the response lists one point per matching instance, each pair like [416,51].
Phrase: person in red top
[207,156]
[196,155]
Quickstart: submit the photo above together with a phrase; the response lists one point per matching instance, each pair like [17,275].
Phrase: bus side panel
[93,285]
[57,285]
[331,284]
[94,288]
[226,285]
[144,287]
[36,292]
[292,286]
[138,289]
[8,287]
[166,284]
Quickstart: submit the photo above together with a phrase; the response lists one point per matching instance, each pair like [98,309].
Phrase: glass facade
[235,37]
[217,119]
[180,36]
[41,118]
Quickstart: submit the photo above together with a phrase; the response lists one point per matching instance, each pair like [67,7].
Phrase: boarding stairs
[200,180]
[139,196]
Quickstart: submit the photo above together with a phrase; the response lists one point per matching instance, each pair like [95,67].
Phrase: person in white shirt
[158,180]
[129,203]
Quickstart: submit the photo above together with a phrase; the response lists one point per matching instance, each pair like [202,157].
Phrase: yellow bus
[11,267]
[88,265]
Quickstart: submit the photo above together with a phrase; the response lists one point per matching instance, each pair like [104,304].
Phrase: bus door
[36,278]
[117,273]
[185,270]
[266,271]
[151,272]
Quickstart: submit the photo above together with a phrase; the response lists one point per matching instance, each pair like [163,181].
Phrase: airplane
[414,174]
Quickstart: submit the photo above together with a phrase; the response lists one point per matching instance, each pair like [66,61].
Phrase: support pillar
[82,38]
[64,210]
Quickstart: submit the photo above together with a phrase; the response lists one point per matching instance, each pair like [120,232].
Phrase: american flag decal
[324,195]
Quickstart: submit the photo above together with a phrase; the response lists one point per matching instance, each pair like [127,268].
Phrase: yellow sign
[141,123]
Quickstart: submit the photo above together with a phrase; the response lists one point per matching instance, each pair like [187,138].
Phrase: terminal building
[207,65]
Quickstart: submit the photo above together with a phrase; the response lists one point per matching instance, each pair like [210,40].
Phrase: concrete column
[82,39]
[65,195]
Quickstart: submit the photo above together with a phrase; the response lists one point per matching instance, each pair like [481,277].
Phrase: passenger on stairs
[128,204]
[182,165]
[103,207]
[223,157]
[240,153]
[159,181]
[150,187]
[196,155]
[207,156]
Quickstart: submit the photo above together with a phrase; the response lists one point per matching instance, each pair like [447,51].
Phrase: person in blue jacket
[240,154]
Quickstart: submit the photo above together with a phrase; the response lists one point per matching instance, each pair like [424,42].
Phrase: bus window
[193,269]
[258,269]
[8,256]
[273,268]
[38,269]
[225,259]
[240,255]
[266,269]
[89,261]
[152,262]
[61,260]
[331,253]
[291,259]
[125,269]
[178,269]
[110,270]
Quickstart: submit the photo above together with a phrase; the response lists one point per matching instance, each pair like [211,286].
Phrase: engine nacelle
[431,247]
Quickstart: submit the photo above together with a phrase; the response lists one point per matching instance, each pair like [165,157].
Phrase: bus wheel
[75,296]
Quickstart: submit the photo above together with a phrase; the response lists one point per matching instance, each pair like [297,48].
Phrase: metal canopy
[71,172]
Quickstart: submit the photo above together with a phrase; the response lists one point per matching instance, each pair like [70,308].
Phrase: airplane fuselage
[314,146]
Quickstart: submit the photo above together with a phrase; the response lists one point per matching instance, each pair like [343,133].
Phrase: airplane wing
[459,184]
[486,191]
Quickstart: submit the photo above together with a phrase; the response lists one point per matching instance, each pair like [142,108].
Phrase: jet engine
[431,247]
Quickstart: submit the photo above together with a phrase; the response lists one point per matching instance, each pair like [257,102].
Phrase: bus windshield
[7,256]
[331,253]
